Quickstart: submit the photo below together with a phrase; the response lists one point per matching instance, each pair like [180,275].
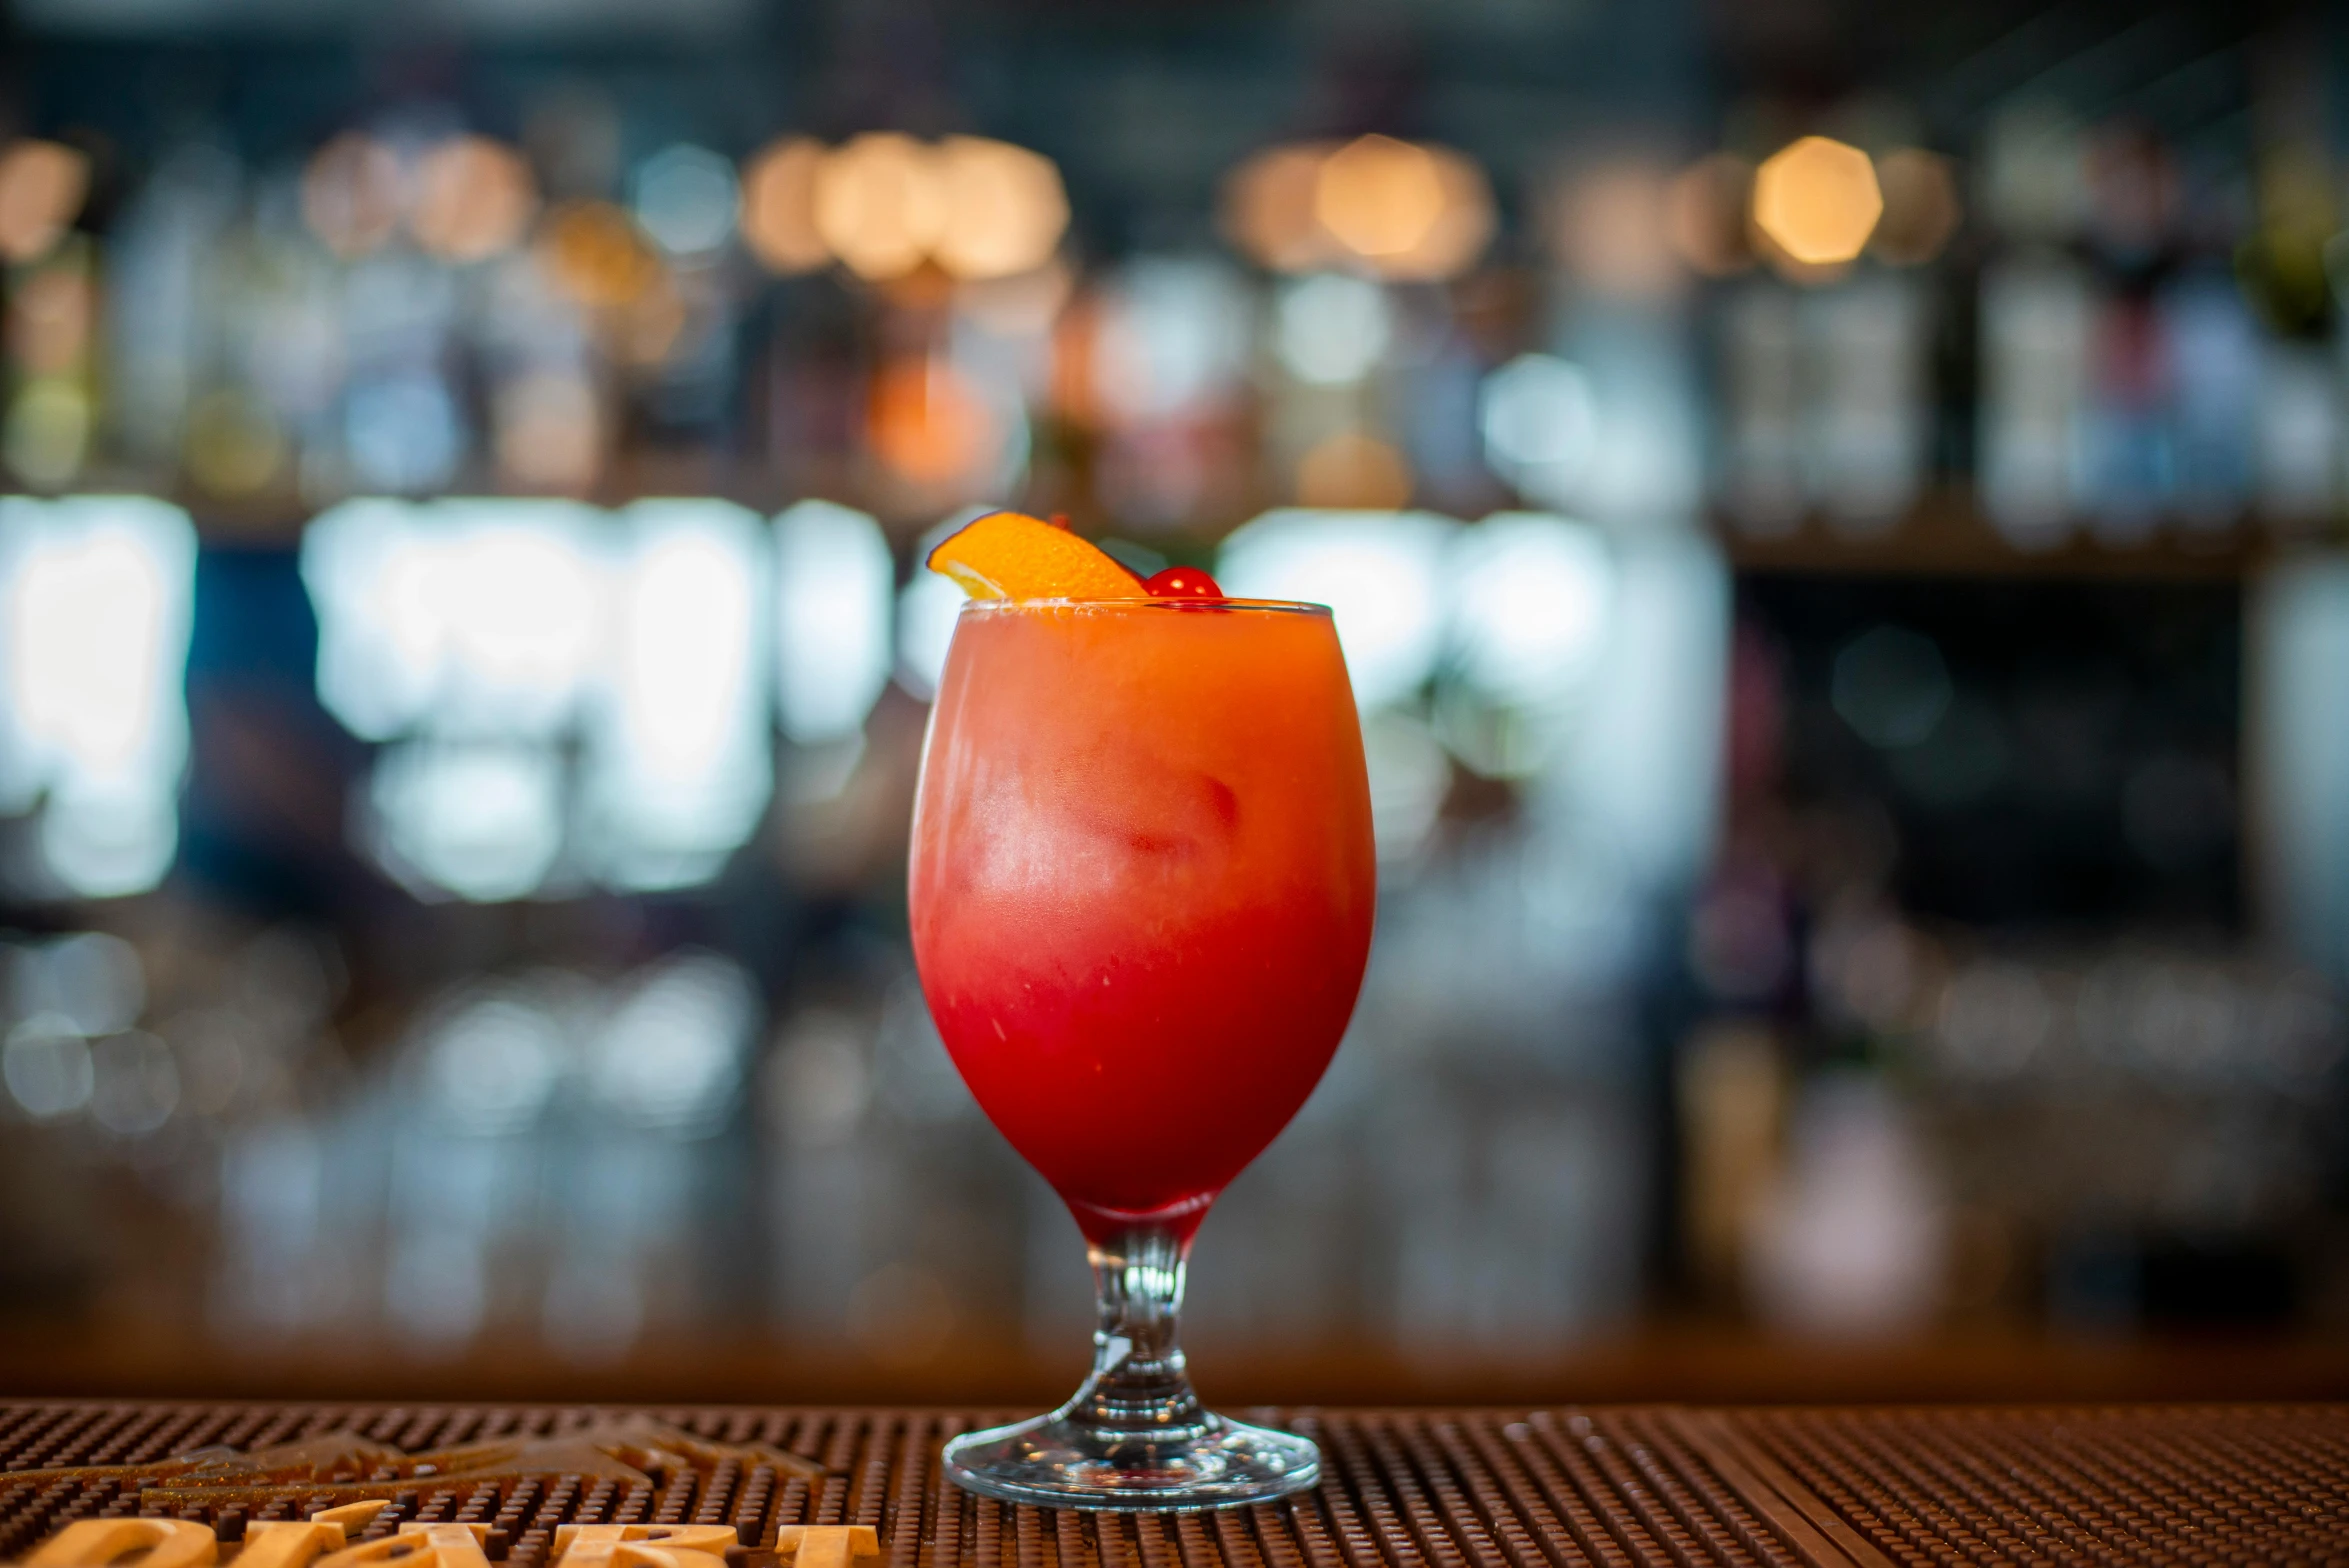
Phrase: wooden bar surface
[1620,1486]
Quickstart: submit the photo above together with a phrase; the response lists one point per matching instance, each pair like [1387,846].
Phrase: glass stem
[1139,1389]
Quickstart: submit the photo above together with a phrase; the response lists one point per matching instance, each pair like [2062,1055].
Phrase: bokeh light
[686,199]
[46,1067]
[779,206]
[1921,206]
[564,693]
[1332,329]
[1539,420]
[1530,598]
[47,433]
[1380,573]
[49,319]
[235,445]
[593,252]
[353,194]
[479,819]
[835,586]
[404,431]
[42,187]
[470,617]
[1379,196]
[927,609]
[676,769]
[1705,213]
[1170,338]
[1353,470]
[1817,200]
[95,602]
[548,431]
[1397,209]
[1267,209]
[880,203]
[474,198]
[1614,230]
[928,425]
[672,1044]
[1005,209]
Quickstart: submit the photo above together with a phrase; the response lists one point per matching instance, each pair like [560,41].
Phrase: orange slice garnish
[1005,555]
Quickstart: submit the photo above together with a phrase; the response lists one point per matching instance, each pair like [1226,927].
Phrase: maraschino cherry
[1182,582]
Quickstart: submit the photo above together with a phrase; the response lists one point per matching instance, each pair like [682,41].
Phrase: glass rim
[1153,603]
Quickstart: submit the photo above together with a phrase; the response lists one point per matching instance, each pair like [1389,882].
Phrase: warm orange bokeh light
[1921,206]
[593,254]
[1459,235]
[1005,209]
[929,426]
[1379,196]
[474,198]
[1817,200]
[42,187]
[1352,470]
[880,203]
[1268,209]
[779,206]
[1393,208]
[352,194]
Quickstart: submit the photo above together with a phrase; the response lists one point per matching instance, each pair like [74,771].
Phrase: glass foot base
[1053,1462]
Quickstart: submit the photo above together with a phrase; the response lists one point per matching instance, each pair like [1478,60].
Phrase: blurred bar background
[1835,513]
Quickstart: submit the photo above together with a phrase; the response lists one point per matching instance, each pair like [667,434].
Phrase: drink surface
[1142,886]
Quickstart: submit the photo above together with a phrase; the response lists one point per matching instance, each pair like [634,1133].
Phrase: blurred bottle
[1761,415]
[1869,419]
[1851,1242]
[2214,378]
[2038,311]
[1732,1089]
[2038,322]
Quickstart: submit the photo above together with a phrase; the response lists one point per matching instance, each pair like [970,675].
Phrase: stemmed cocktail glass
[1142,892]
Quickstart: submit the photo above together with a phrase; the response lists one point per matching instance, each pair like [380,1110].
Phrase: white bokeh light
[45,1064]
[671,1048]
[96,594]
[485,616]
[1332,330]
[835,589]
[678,767]
[1529,601]
[496,641]
[493,1055]
[1381,574]
[480,819]
[1173,336]
[1540,424]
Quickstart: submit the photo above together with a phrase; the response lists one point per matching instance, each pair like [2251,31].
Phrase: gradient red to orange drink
[1142,886]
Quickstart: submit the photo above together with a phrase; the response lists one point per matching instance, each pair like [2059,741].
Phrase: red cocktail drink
[1142,887]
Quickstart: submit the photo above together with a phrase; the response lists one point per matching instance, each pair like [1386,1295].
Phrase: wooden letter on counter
[418,1546]
[296,1543]
[826,1545]
[642,1545]
[93,1543]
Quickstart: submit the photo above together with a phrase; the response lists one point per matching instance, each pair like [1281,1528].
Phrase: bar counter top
[1676,1486]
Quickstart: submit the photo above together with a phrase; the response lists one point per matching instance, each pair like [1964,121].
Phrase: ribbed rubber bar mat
[1670,1487]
